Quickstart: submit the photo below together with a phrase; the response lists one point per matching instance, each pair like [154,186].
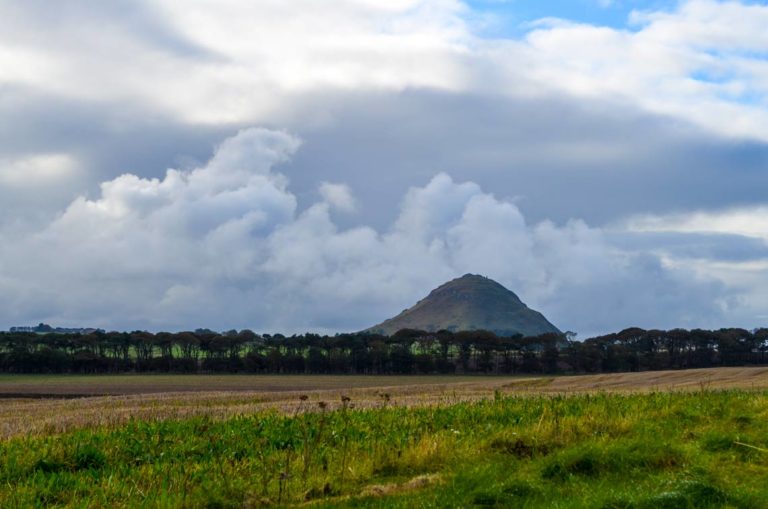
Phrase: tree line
[406,352]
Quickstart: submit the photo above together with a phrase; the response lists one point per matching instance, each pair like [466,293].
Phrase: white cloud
[701,63]
[231,61]
[220,62]
[227,243]
[746,276]
[749,222]
[338,195]
[224,246]
[37,170]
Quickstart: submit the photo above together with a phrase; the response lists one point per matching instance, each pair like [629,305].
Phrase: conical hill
[470,302]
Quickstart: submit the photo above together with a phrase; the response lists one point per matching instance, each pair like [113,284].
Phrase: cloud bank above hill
[224,245]
[611,173]
[226,61]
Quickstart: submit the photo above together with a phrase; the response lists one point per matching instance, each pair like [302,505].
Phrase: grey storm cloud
[559,158]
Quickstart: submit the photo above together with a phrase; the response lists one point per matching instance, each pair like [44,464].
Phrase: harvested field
[33,416]
[689,379]
[32,386]
[26,410]
[70,386]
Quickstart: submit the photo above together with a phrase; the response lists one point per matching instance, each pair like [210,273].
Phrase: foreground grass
[657,450]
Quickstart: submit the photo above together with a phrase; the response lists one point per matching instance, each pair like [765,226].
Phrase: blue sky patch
[512,18]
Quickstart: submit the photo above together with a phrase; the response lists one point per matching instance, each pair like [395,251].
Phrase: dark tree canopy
[408,351]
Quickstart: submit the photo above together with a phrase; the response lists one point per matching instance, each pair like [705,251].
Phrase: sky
[320,166]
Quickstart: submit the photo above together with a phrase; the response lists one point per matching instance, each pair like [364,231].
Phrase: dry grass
[48,416]
[690,379]
[417,483]
[172,397]
[118,385]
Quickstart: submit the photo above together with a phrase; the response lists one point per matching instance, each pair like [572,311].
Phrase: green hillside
[470,302]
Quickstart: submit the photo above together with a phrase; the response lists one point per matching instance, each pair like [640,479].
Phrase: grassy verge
[657,450]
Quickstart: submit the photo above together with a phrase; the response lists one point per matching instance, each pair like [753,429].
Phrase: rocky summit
[471,302]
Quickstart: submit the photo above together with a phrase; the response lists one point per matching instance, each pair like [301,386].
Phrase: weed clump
[618,503]
[594,460]
[521,448]
[687,494]
[521,489]
[88,457]
[485,499]
[84,457]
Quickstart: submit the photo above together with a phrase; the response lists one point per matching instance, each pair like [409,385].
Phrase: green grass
[661,450]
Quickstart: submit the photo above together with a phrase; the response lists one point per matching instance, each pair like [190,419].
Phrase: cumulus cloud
[338,195]
[224,245]
[419,79]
